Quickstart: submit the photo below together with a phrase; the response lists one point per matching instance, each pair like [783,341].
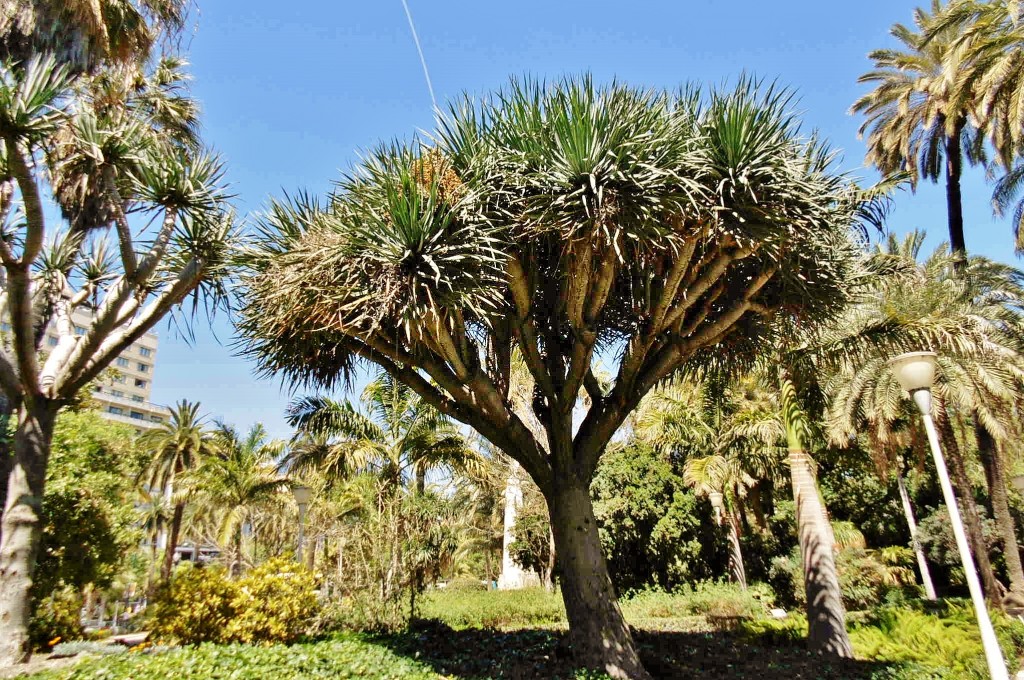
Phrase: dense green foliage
[867,577]
[941,643]
[654,529]
[89,523]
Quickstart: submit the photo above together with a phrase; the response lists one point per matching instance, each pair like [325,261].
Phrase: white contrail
[416,39]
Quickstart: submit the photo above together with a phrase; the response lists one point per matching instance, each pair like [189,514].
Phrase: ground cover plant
[343,657]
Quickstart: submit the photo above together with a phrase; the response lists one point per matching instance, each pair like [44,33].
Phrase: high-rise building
[122,395]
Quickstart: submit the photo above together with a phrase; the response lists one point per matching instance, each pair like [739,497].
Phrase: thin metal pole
[922,563]
[302,532]
[993,655]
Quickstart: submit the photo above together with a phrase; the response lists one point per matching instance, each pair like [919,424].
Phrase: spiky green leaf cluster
[560,177]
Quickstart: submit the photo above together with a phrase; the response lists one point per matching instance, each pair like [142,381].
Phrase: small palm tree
[153,516]
[399,441]
[179,445]
[232,486]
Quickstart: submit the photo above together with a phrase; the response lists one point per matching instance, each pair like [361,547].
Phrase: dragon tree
[568,221]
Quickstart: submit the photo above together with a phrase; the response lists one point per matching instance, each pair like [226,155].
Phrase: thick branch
[8,377]
[129,262]
[19,290]
[34,218]
[527,330]
[80,369]
[477,404]
[110,314]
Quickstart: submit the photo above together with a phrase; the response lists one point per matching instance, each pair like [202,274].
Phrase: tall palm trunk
[995,475]
[972,522]
[736,568]
[757,506]
[922,563]
[236,562]
[597,629]
[826,616]
[172,542]
[954,202]
[737,573]
[21,525]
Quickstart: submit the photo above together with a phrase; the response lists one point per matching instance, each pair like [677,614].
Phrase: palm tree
[988,41]
[232,486]
[678,420]
[153,516]
[482,493]
[88,33]
[969,312]
[919,116]
[825,611]
[179,445]
[399,441]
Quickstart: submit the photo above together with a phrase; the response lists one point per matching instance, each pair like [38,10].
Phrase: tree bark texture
[599,634]
[736,569]
[954,203]
[172,542]
[995,475]
[548,577]
[972,522]
[826,616]
[21,526]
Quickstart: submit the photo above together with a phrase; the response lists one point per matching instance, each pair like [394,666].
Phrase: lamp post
[915,372]
[302,495]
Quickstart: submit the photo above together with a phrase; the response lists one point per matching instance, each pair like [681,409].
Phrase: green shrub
[275,602]
[941,643]
[344,657]
[56,618]
[792,631]
[196,607]
[867,577]
[494,609]
[459,585]
[361,612]
[714,600]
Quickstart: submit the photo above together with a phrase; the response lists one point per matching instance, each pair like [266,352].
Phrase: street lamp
[302,495]
[915,372]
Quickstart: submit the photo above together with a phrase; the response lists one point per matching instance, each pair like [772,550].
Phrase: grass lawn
[477,635]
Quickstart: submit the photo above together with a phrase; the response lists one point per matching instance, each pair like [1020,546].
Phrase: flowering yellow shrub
[276,602]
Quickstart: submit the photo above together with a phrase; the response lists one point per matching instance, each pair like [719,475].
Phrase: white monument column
[512,576]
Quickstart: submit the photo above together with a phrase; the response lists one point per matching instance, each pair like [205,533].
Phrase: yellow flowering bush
[275,602]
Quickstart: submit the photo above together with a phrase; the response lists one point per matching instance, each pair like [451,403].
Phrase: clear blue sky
[291,92]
